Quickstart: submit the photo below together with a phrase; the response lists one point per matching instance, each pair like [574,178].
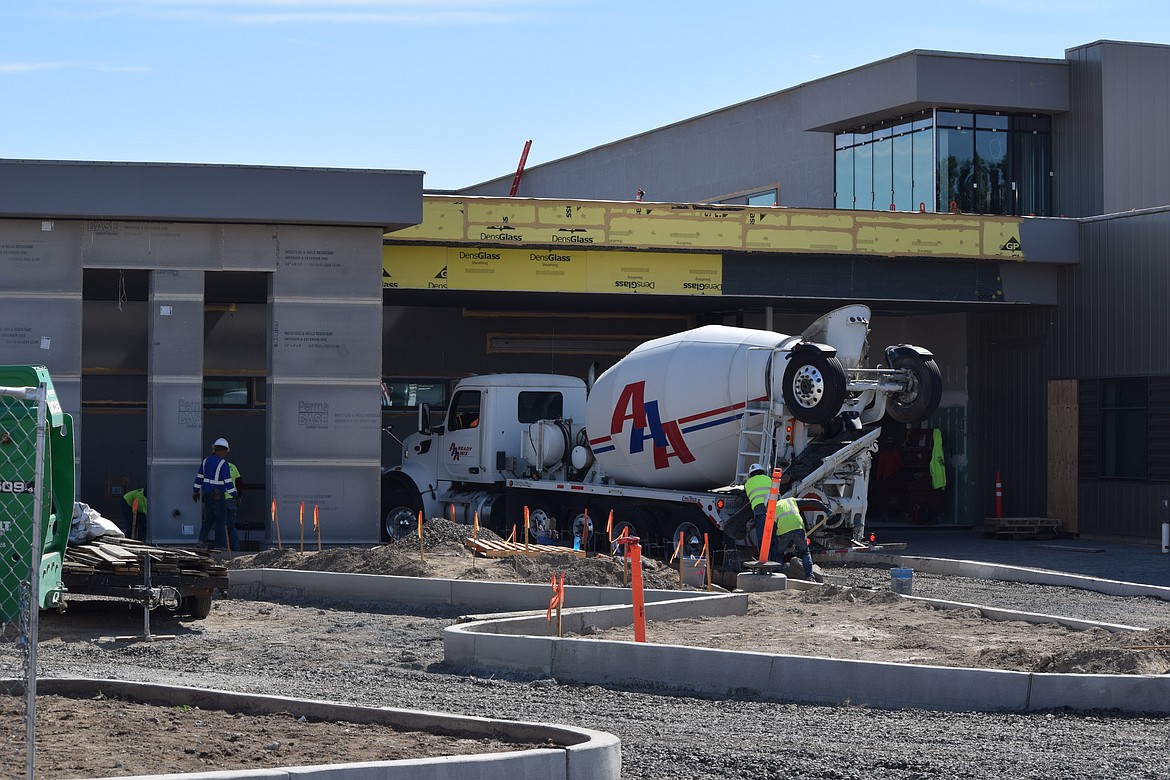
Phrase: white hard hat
[221,442]
[752,469]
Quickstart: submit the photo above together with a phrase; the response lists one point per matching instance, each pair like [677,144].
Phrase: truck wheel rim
[808,386]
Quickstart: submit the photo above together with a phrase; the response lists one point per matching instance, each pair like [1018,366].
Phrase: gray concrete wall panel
[176,334]
[345,495]
[176,417]
[42,329]
[39,255]
[329,263]
[174,518]
[175,408]
[313,420]
[164,192]
[150,245]
[336,340]
[250,247]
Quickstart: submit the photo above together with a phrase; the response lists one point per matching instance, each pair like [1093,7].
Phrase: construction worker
[214,487]
[233,506]
[757,487]
[789,525]
[134,513]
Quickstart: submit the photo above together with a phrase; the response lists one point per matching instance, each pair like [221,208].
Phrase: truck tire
[923,394]
[400,508]
[197,607]
[814,386]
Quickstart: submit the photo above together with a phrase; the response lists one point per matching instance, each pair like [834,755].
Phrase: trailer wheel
[400,508]
[922,394]
[632,521]
[692,539]
[596,527]
[814,386]
[198,607]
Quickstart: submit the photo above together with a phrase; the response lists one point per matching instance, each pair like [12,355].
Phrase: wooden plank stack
[121,555]
[497,549]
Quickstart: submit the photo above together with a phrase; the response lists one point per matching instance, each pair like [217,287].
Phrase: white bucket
[902,581]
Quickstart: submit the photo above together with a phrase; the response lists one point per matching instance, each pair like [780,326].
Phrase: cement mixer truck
[665,437]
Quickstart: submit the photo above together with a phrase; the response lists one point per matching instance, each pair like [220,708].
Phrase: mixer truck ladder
[757,438]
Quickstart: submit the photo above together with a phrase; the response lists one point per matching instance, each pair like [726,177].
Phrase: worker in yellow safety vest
[757,487]
[789,525]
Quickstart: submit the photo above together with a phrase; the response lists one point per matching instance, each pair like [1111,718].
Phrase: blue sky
[455,87]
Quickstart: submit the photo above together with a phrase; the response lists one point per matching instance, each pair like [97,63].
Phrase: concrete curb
[522,645]
[1001,571]
[584,754]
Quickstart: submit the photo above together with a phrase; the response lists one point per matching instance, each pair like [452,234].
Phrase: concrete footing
[751,582]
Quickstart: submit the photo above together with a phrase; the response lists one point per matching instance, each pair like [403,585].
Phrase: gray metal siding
[1009,402]
[1110,150]
[1135,115]
[1112,318]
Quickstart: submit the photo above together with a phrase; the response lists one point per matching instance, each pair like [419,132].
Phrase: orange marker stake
[421,555]
[525,529]
[707,550]
[635,552]
[678,551]
[609,527]
[770,517]
[276,525]
[585,530]
[302,521]
[317,527]
[475,526]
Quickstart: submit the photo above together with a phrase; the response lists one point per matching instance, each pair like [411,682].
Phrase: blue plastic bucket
[902,581]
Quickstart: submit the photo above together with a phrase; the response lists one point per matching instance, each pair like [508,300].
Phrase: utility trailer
[40,468]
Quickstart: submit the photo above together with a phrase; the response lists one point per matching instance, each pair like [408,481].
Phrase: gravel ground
[386,659]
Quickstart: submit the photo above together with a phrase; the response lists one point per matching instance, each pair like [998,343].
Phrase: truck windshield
[533,406]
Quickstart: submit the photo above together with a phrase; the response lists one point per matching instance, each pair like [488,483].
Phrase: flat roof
[182,192]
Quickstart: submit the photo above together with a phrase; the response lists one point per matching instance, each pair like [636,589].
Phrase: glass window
[409,393]
[226,392]
[768,198]
[1031,168]
[956,169]
[863,177]
[983,163]
[1124,413]
[464,411]
[883,173]
[991,180]
[923,141]
[903,172]
[539,405]
[843,198]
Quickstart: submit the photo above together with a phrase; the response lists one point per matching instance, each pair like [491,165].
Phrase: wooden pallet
[1023,527]
[490,549]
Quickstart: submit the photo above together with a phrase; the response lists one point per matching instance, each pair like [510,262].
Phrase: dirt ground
[833,621]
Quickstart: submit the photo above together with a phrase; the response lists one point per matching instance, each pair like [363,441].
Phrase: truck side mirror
[424,419]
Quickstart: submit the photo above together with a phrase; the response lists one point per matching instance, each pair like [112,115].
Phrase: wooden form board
[503,549]
[1063,443]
